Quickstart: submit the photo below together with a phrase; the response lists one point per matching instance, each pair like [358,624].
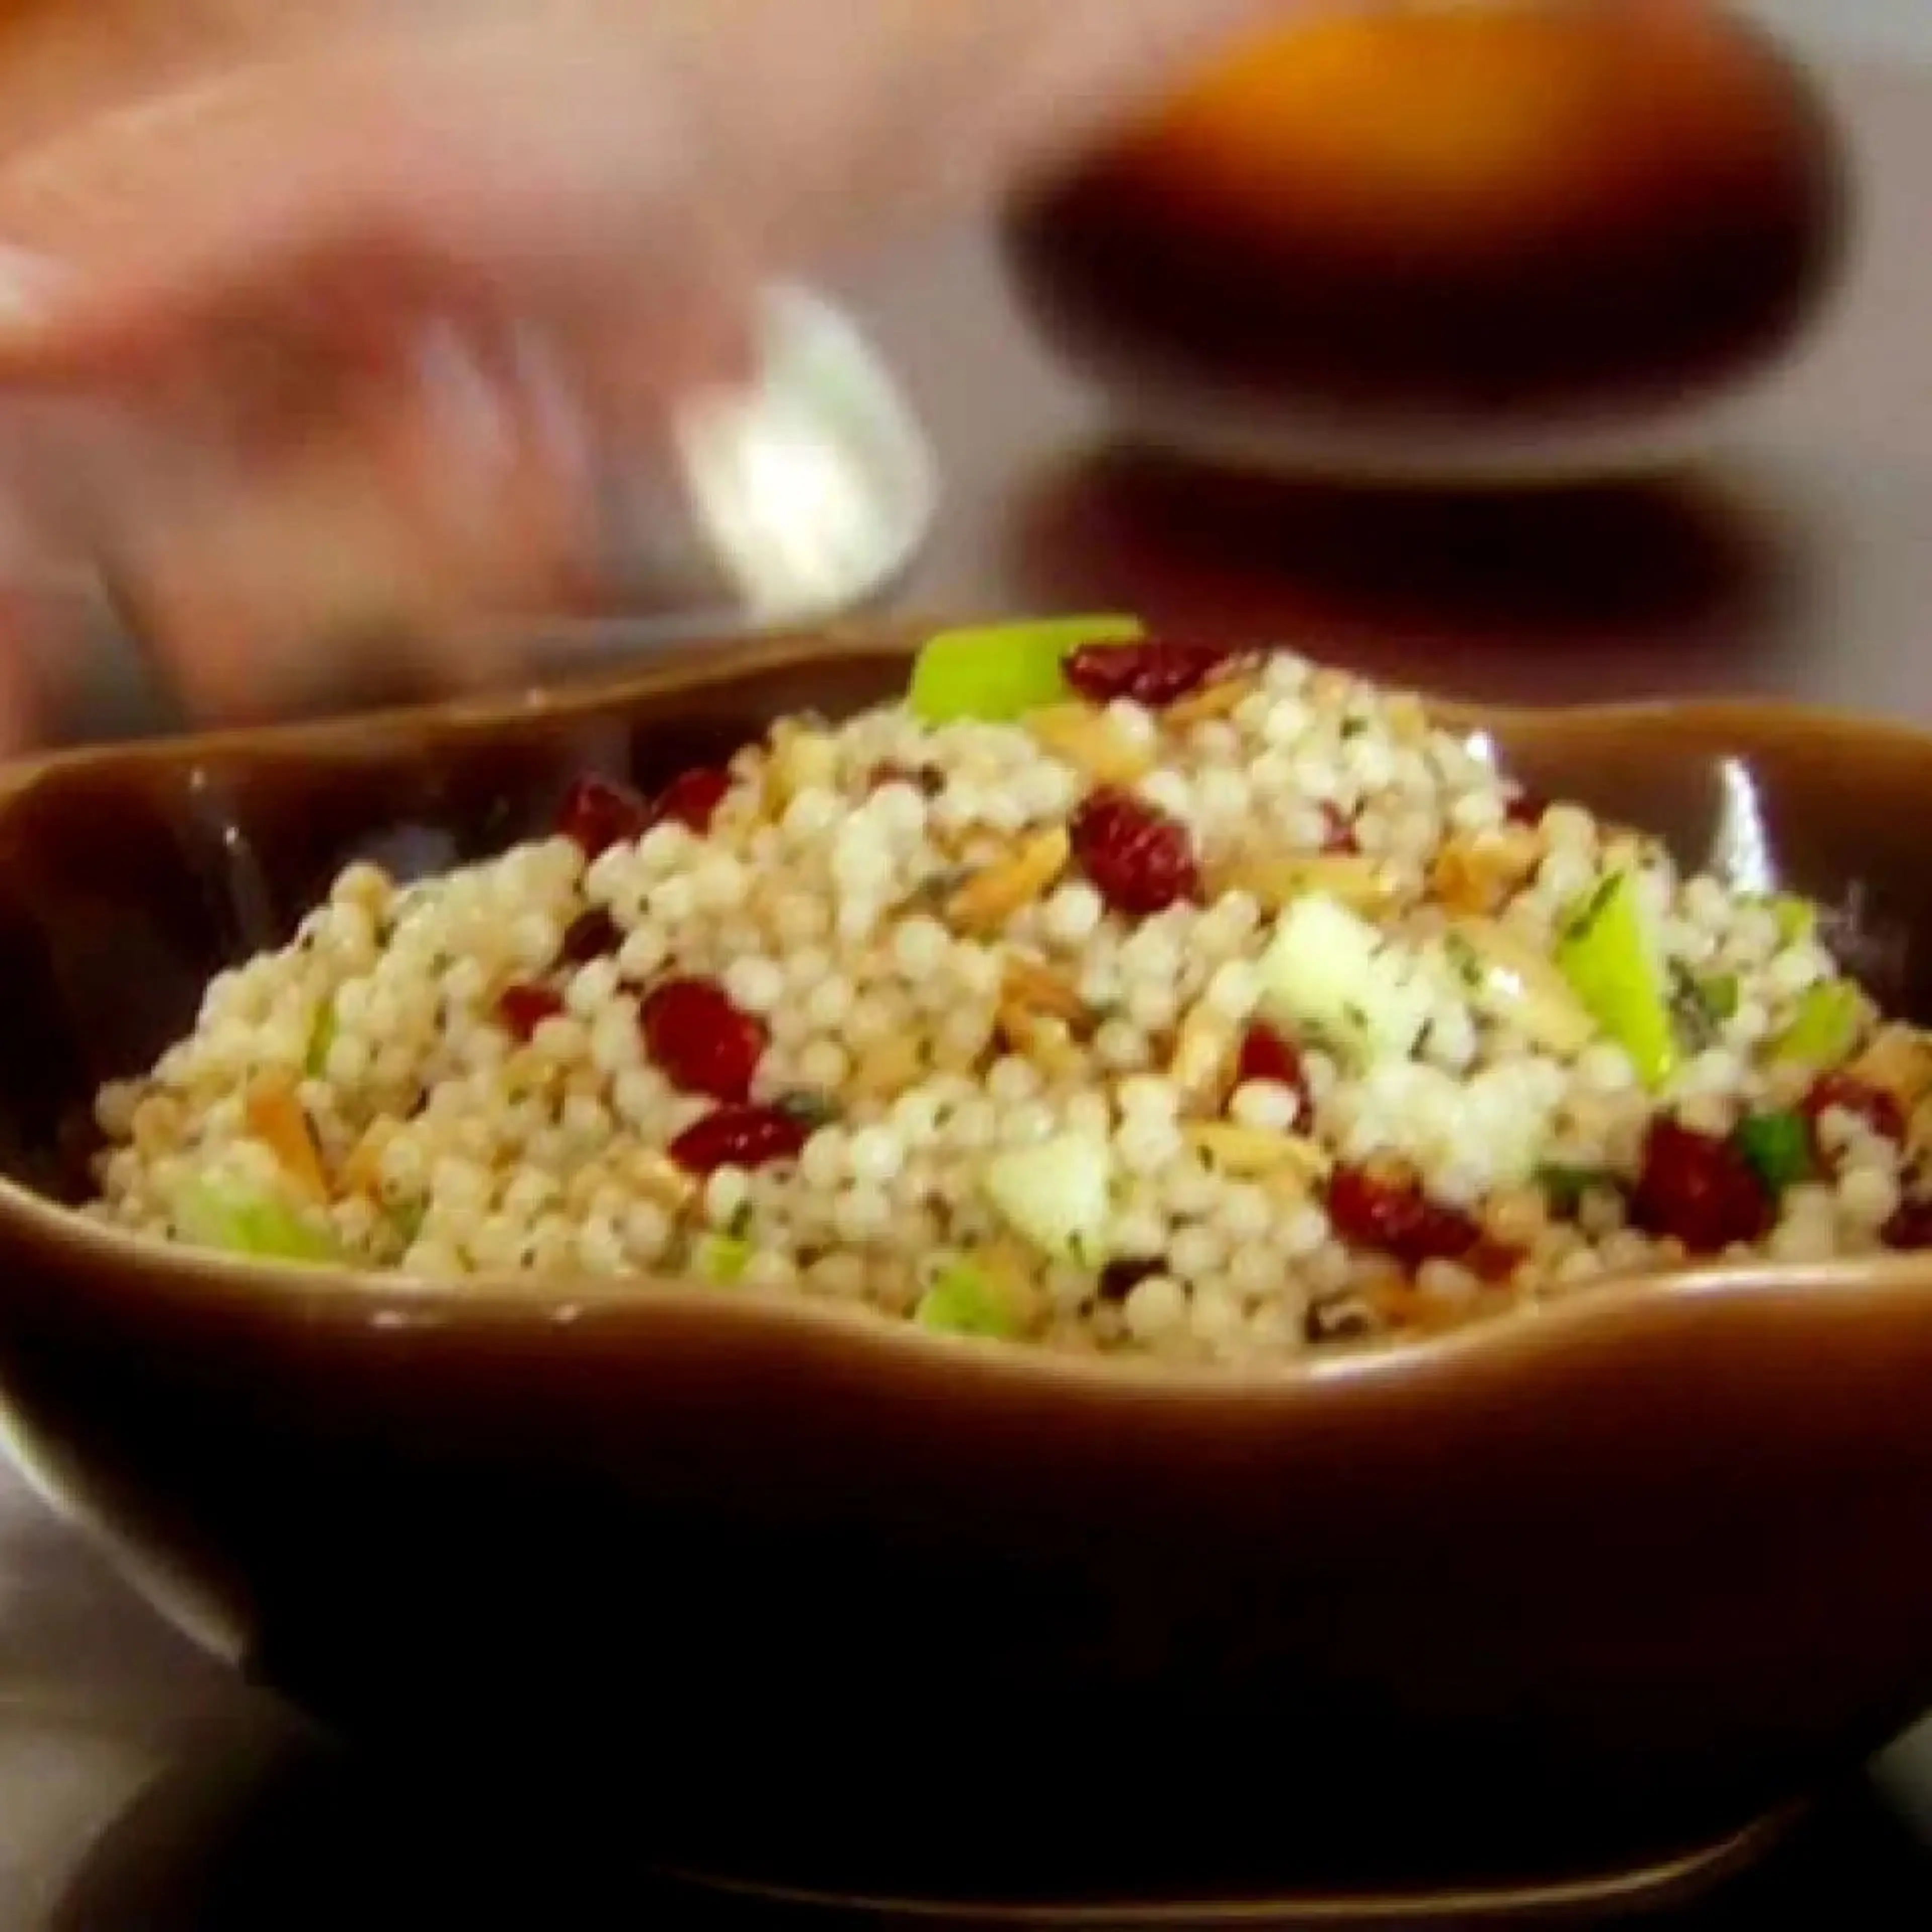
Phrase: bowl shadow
[1563,593]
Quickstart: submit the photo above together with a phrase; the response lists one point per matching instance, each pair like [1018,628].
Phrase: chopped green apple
[997,673]
[216,1213]
[1824,1027]
[1797,919]
[962,1301]
[1609,954]
[722,1259]
[1057,1195]
[1328,972]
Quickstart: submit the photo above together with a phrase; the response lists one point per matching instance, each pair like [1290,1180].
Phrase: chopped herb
[407,1218]
[1563,1188]
[809,1108]
[1464,960]
[742,1221]
[1353,727]
[321,1040]
[1777,1146]
[1693,1009]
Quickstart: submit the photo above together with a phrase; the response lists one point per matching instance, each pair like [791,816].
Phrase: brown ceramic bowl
[824,1601]
[1500,240]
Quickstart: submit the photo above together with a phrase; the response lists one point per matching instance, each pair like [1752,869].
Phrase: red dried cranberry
[590,935]
[598,815]
[1391,1213]
[1266,1055]
[1526,808]
[1699,1190]
[1845,1092]
[1156,673]
[703,1044]
[1338,831]
[1909,1230]
[1493,1262]
[692,798]
[522,1009]
[1140,860]
[735,1135]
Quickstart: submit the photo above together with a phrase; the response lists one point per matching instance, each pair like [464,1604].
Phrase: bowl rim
[337,1296]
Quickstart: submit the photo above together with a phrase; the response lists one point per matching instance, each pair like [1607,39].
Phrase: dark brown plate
[847,1608]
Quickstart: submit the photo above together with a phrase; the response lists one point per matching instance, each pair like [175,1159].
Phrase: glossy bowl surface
[848,1607]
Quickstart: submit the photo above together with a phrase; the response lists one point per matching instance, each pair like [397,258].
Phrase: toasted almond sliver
[362,1171]
[1202,1049]
[1476,872]
[1252,1153]
[1898,1062]
[1275,879]
[1225,694]
[659,1180]
[1511,981]
[1091,741]
[990,898]
[1046,1042]
[886,1069]
[800,760]
[1032,983]
[275,1117]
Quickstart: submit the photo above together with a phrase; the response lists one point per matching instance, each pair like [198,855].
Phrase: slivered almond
[1407,718]
[1225,695]
[1273,879]
[1203,1049]
[1476,872]
[1252,1153]
[1402,1306]
[887,1068]
[1898,1062]
[274,1117]
[1039,1037]
[659,1180]
[801,759]
[1508,979]
[990,898]
[1092,743]
[1032,983]
[362,1170]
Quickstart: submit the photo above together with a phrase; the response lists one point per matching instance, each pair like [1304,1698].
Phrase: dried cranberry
[1141,860]
[598,815]
[735,1135]
[692,798]
[1390,1213]
[703,1044]
[1845,1092]
[1155,673]
[590,935]
[522,1009]
[1909,1230]
[1338,831]
[1526,808]
[1493,1261]
[1266,1055]
[1699,1190]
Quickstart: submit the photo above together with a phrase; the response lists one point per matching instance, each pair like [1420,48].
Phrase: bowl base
[1646,1886]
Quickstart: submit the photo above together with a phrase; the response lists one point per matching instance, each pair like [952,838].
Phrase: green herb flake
[1563,1188]
[321,1040]
[1777,1146]
[722,1259]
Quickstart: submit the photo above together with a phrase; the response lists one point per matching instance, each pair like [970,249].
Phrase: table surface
[141,1791]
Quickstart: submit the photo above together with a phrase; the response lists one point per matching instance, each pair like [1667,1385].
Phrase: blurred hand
[340,317]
